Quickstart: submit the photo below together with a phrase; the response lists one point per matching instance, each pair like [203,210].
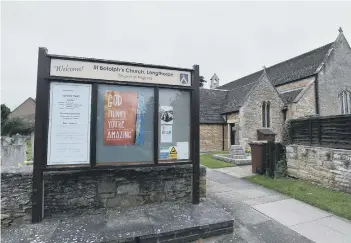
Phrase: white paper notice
[69,124]
[166,134]
[183,150]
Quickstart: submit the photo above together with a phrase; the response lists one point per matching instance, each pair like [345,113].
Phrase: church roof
[290,70]
[236,97]
[211,103]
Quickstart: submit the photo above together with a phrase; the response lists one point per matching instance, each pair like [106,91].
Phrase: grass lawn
[338,203]
[206,160]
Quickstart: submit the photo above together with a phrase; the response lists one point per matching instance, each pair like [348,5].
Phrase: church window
[345,102]
[266,114]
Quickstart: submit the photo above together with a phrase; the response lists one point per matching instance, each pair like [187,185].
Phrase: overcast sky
[231,39]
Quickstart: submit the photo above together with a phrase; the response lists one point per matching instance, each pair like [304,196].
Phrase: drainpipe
[223,137]
[224,125]
[316,92]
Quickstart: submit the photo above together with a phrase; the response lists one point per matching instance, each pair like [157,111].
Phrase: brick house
[314,83]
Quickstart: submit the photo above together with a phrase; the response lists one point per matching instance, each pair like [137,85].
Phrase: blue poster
[139,126]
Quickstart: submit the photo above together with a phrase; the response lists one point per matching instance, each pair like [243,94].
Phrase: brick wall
[76,191]
[251,112]
[211,137]
[334,77]
[326,166]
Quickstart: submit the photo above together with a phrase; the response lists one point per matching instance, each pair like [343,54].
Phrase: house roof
[211,103]
[26,113]
[293,69]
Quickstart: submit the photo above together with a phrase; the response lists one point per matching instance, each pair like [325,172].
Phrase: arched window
[345,102]
[266,114]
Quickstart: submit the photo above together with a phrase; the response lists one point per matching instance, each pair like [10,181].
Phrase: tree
[202,81]
[5,112]
[16,125]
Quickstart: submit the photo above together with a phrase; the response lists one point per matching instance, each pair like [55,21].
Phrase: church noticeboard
[97,115]
[69,124]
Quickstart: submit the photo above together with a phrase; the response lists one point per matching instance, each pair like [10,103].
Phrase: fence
[328,131]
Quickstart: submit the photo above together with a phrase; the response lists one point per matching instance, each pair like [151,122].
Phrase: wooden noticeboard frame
[45,77]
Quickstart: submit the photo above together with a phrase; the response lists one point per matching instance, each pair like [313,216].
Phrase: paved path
[264,215]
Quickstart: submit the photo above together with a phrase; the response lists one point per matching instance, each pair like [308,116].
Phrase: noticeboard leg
[195,131]
[196,184]
[38,197]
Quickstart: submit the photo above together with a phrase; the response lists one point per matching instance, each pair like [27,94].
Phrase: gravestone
[13,150]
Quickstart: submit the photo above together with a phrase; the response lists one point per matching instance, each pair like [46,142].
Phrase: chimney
[214,82]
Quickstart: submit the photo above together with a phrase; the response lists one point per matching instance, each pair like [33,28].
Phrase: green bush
[16,125]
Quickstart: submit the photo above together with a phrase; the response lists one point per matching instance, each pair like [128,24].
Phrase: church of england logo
[184,78]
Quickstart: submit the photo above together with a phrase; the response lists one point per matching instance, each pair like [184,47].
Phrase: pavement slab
[220,177]
[215,187]
[320,233]
[245,214]
[237,171]
[266,199]
[124,224]
[339,224]
[256,192]
[228,197]
[274,232]
[290,212]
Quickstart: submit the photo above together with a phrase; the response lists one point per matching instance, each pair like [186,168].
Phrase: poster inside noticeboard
[174,125]
[124,131]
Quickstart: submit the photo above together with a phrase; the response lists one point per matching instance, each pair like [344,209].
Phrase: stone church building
[315,83]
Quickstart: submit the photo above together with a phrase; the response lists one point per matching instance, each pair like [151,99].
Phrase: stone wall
[294,85]
[75,191]
[326,166]
[251,112]
[233,117]
[306,106]
[334,77]
[211,137]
